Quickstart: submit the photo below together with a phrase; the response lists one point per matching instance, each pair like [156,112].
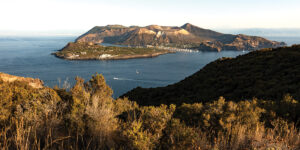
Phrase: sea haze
[31,57]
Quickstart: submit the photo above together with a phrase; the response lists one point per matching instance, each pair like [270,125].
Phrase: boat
[137,72]
[116,78]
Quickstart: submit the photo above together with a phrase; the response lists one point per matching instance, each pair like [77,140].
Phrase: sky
[74,16]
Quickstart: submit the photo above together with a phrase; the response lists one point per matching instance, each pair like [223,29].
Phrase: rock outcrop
[35,83]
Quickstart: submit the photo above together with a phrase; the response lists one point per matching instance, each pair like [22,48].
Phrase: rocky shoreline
[113,57]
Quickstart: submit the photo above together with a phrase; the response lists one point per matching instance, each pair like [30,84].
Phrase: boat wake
[147,81]
[124,79]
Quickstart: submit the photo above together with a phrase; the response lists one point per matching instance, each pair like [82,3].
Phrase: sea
[31,57]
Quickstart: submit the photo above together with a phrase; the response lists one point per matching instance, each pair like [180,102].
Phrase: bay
[31,57]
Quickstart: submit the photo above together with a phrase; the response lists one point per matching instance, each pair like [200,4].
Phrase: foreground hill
[265,74]
[186,36]
[87,117]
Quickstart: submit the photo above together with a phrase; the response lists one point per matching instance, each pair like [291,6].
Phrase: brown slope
[241,42]
[105,34]
[149,35]
[205,34]
[187,35]
[265,74]
[158,36]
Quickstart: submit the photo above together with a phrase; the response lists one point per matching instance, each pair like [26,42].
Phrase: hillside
[87,117]
[264,74]
[186,36]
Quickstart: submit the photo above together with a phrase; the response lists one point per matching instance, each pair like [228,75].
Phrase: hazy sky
[50,15]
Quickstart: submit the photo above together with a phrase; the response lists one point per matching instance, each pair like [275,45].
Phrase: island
[187,36]
[153,40]
[93,51]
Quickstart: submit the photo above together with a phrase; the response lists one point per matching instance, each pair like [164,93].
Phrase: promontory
[93,51]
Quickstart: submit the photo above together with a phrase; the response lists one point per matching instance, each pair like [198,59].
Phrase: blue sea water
[31,57]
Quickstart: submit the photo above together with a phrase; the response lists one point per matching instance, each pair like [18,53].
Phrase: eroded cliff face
[35,83]
[188,36]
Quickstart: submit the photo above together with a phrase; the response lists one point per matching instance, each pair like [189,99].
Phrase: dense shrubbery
[87,117]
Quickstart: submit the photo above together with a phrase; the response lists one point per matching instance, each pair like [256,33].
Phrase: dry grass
[87,117]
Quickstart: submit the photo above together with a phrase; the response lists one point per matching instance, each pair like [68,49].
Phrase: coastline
[124,57]
[92,51]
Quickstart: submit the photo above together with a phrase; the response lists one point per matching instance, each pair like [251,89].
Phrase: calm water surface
[31,57]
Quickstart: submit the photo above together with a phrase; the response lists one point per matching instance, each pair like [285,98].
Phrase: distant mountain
[186,36]
[275,32]
[264,74]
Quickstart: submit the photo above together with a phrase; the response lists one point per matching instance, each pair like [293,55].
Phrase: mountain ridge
[185,36]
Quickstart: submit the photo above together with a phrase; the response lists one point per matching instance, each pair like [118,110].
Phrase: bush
[87,117]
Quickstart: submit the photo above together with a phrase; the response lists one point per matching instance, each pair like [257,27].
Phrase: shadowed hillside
[265,74]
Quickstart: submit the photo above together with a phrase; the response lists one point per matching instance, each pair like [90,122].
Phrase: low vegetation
[83,51]
[87,117]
